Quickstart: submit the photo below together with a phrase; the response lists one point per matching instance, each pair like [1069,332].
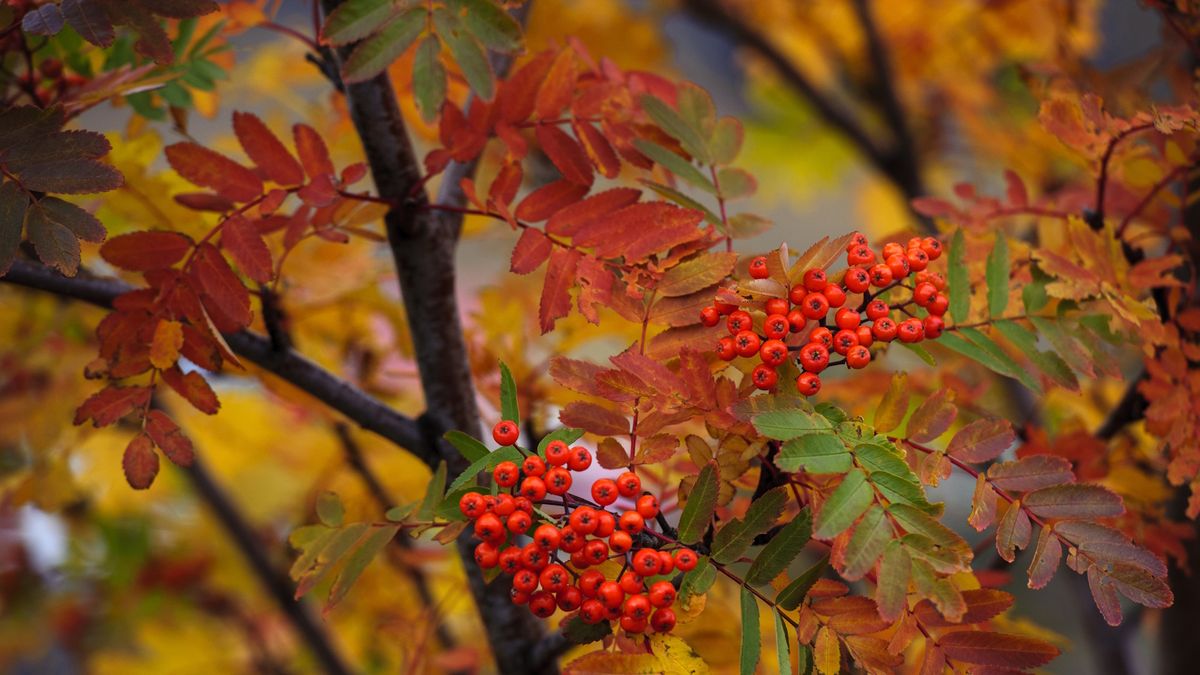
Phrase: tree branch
[360,407]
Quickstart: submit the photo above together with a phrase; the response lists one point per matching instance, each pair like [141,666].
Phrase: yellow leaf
[677,656]
[827,652]
[604,662]
[168,338]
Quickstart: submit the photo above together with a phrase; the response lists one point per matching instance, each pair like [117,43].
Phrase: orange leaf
[566,154]
[145,251]
[595,287]
[570,218]
[559,86]
[640,230]
[531,251]
[194,388]
[164,348]
[595,418]
[933,417]
[111,404]
[518,94]
[598,149]
[266,150]
[556,291]
[314,154]
[549,199]
[206,168]
[140,462]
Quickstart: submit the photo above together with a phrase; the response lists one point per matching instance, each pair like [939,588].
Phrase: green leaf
[1034,295]
[815,453]
[356,562]
[998,362]
[794,593]
[732,540]
[675,164]
[493,26]
[467,446]
[997,276]
[784,425]
[783,648]
[903,490]
[701,503]
[486,463]
[567,435]
[329,509]
[676,127]
[736,183]
[373,55]
[696,108]
[355,19]
[870,537]
[698,580]
[1066,345]
[920,351]
[684,201]
[960,286]
[468,53]
[508,396]
[434,493]
[988,345]
[579,633]
[398,514]
[726,141]
[429,78]
[844,506]
[751,639]
[448,509]
[1048,362]
[781,550]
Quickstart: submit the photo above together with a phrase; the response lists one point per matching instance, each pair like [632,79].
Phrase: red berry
[610,594]
[533,466]
[533,489]
[489,528]
[758,268]
[884,329]
[808,384]
[589,582]
[542,604]
[534,557]
[847,318]
[860,255]
[471,505]
[569,599]
[938,280]
[834,294]
[558,481]
[843,340]
[815,306]
[581,458]
[898,264]
[629,485]
[596,551]
[665,562]
[525,580]
[934,326]
[645,562]
[631,583]
[620,541]
[726,349]
[709,316]
[554,578]
[739,321]
[630,522]
[647,506]
[505,432]
[796,320]
[858,356]
[570,541]
[881,275]
[519,522]
[510,560]
[686,559]
[592,611]
[606,524]
[814,357]
[632,625]
[506,474]
[923,293]
[663,620]
[505,505]
[821,336]
[747,343]
[910,330]
[856,280]
[546,536]
[796,294]
[662,594]
[815,279]
[776,306]
[865,337]
[486,555]
[917,259]
[776,326]
[877,309]
[932,248]
[584,520]
[773,352]
[637,606]
[579,559]
[524,504]
[557,453]
[938,305]
[857,239]
[724,308]
[892,248]
[604,491]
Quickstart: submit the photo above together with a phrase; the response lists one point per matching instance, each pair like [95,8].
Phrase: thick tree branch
[365,410]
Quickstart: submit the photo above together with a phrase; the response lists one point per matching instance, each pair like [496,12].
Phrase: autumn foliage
[672,443]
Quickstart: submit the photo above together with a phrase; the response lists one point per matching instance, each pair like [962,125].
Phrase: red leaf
[566,154]
[222,289]
[997,649]
[241,238]
[576,375]
[1017,194]
[556,291]
[549,199]
[203,167]
[531,251]
[266,150]
[1075,501]
[204,201]
[595,418]
[595,288]
[933,417]
[1046,557]
[1031,473]
[598,149]
[140,462]
[170,438]
[933,207]
[111,404]
[585,211]
[982,440]
[1013,532]
[194,388]
[505,185]
[982,604]
[559,86]
[517,95]
[314,154]
[640,230]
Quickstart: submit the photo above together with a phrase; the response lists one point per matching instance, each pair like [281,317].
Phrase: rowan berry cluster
[556,568]
[854,327]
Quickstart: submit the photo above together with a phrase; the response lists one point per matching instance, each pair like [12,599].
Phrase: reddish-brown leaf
[170,438]
[595,287]
[982,440]
[640,230]
[558,87]
[266,150]
[598,149]
[595,418]
[531,251]
[657,448]
[505,185]
[222,289]
[556,289]
[242,239]
[981,603]
[1046,557]
[314,154]
[1013,532]
[111,404]
[518,94]
[1075,502]
[164,347]
[1140,586]
[578,214]
[997,649]
[206,168]
[610,454]
[648,370]
[140,462]
[933,417]
[566,154]
[1031,473]
[194,388]
[696,273]
[1104,595]
[576,375]
[204,201]
[983,504]
[549,199]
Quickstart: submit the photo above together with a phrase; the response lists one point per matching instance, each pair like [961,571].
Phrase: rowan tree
[241,381]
